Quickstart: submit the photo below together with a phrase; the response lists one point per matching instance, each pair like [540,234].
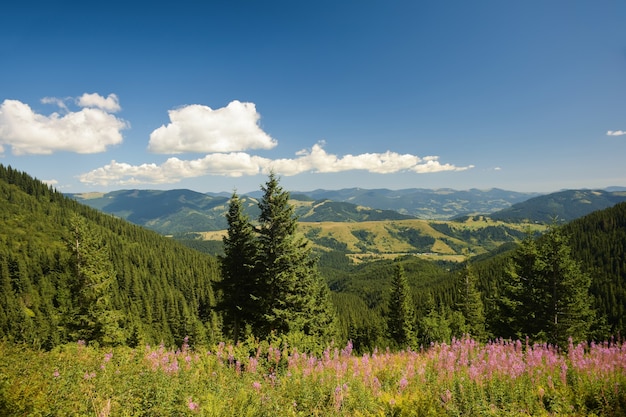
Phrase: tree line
[68,272]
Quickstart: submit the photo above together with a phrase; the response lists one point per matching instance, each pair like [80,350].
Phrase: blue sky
[211,96]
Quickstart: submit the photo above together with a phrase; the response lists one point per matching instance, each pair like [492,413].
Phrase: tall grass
[462,378]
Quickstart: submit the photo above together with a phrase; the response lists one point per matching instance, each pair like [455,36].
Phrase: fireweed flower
[192,405]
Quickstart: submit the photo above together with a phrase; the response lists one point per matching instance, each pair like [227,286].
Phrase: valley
[427,239]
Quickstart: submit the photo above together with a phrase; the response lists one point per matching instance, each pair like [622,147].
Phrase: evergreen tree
[471,304]
[401,315]
[546,292]
[238,302]
[96,318]
[289,287]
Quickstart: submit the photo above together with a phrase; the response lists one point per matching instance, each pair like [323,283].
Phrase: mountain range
[180,211]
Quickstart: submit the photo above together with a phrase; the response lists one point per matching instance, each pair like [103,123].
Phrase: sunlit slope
[425,238]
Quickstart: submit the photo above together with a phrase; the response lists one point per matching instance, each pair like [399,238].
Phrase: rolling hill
[174,212]
[438,204]
[564,206]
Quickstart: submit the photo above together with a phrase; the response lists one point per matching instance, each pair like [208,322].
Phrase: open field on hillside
[428,239]
[502,378]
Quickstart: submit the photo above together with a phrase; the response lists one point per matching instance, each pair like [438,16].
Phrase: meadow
[464,377]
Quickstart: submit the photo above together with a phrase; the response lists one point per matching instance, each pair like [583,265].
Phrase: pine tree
[546,294]
[401,315]
[96,319]
[289,284]
[238,302]
[471,304]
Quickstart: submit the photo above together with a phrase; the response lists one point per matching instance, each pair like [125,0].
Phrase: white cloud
[109,104]
[56,101]
[616,133]
[236,164]
[89,130]
[51,183]
[200,129]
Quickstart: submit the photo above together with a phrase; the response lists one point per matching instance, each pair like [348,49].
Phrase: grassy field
[428,239]
[502,378]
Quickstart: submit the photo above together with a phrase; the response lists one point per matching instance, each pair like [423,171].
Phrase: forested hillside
[69,272]
[598,243]
[161,290]
[563,205]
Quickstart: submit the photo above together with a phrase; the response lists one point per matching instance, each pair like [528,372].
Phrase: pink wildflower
[402,384]
[446,397]
[192,405]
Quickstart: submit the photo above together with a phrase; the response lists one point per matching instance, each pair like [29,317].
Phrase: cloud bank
[200,129]
[223,135]
[89,130]
[237,164]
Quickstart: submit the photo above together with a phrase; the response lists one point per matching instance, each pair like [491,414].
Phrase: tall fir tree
[471,304]
[401,315]
[290,287]
[96,319]
[238,300]
[546,293]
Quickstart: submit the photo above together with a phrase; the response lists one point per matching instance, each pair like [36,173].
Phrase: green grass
[462,378]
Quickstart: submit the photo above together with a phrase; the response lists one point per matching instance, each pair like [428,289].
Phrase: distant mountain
[167,212]
[181,211]
[439,204]
[563,205]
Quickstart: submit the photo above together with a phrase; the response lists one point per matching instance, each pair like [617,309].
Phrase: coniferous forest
[72,275]
[69,272]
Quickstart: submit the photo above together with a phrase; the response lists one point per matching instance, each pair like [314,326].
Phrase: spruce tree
[401,315]
[290,288]
[546,292]
[96,319]
[471,304]
[238,302]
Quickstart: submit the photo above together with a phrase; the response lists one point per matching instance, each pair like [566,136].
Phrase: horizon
[525,97]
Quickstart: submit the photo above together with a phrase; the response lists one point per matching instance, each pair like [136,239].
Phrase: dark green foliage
[93,275]
[359,323]
[401,316]
[546,294]
[239,286]
[415,238]
[599,242]
[471,303]
[276,272]
[161,289]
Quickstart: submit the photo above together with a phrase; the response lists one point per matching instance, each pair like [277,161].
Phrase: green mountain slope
[176,212]
[438,204]
[564,205]
[598,242]
[161,290]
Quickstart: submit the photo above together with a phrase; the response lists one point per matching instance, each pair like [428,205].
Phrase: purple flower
[403,383]
[192,406]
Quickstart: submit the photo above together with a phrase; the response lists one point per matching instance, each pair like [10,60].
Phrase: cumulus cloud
[236,164]
[89,130]
[200,129]
[110,104]
[616,133]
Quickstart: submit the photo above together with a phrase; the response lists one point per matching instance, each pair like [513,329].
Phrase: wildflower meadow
[463,377]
